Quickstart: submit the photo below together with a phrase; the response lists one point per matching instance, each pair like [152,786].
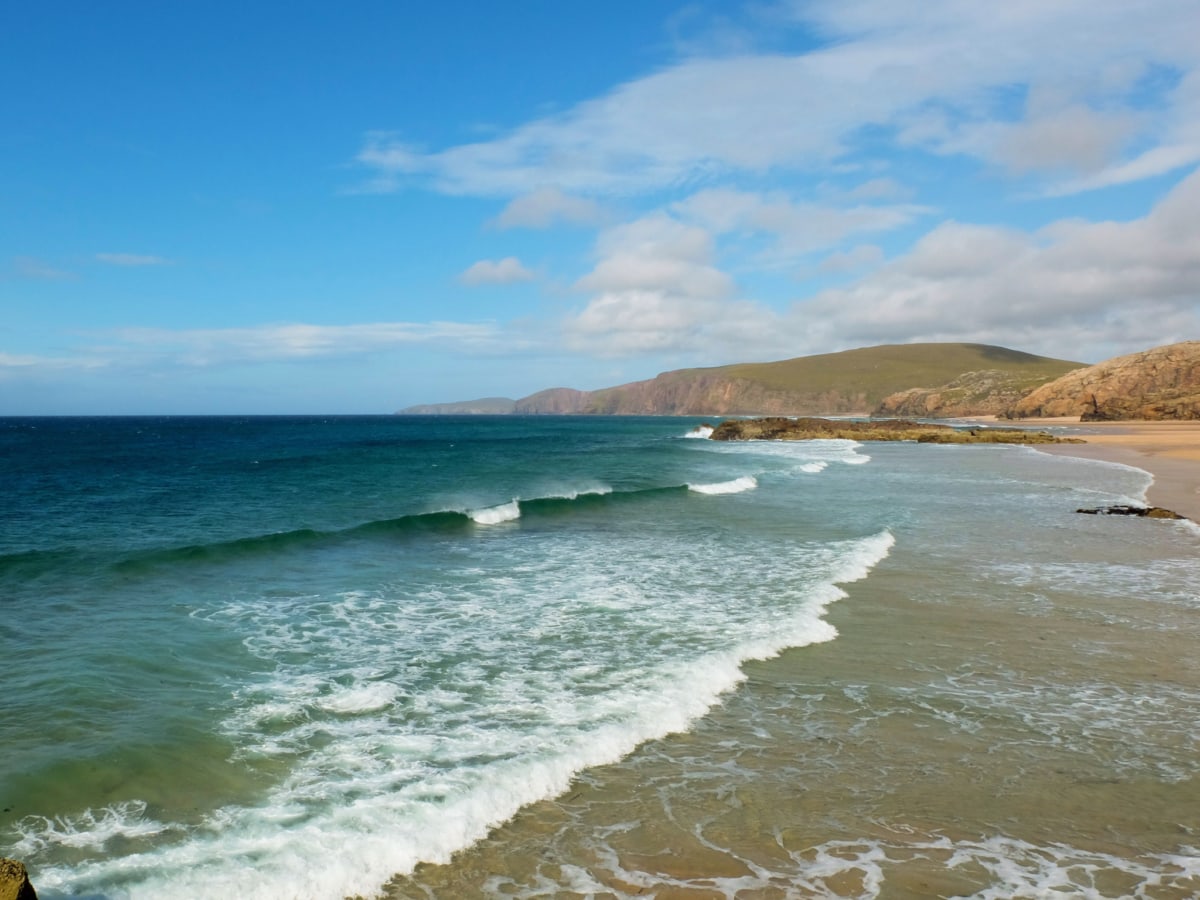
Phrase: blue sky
[210,208]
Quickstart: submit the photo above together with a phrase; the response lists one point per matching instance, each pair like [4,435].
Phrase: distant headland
[929,381]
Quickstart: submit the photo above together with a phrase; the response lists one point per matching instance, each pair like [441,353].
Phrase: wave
[737,486]
[702,432]
[371,795]
[494,515]
[440,522]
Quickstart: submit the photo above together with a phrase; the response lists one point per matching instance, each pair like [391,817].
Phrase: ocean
[323,657]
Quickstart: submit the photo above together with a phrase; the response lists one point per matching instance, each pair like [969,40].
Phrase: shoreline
[1168,450]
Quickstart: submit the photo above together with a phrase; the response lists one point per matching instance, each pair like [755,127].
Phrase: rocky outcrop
[14,881]
[1163,383]
[1148,512]
[805,429]
[986,393]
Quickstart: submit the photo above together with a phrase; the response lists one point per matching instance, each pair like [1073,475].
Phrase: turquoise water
[294,657]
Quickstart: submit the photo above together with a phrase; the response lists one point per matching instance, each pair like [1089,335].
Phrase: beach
[590,657]
[1170,451]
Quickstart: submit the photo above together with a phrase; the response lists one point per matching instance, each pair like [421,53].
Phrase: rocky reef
[804,429]
[1147,512]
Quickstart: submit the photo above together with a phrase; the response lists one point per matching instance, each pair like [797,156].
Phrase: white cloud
[25,362]
[29,267]
[798,228]
[131,259]
[293,341]
[500,271]
[655,288]
[1074,288]
[942,73]
[864,256]
[549,206]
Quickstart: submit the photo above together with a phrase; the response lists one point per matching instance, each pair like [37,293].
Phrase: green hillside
[877,372]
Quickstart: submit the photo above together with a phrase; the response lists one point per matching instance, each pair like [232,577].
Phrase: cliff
[848,382]
[487,406]
[988,393]
[1163,383]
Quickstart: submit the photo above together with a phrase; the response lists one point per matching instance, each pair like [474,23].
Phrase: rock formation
[14,881]
[1163,383]
[804,429]
[1149,512]
[987,393]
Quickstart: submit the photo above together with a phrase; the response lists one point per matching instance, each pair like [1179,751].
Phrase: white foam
[414,721]
[495,515]
[360,698]
[813,467]
[89,830]
[1002,866]
[700,431]
[736,486]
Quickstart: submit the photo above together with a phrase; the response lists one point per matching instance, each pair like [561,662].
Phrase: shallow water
[297,657]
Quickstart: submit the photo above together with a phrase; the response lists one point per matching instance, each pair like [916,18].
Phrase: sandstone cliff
[1163,383]
[987,393]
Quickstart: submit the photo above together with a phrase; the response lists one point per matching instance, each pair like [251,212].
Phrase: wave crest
[737,486]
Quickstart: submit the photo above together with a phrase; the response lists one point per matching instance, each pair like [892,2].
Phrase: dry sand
[1170,451]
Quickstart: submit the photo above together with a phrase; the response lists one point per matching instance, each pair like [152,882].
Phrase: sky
[240,208]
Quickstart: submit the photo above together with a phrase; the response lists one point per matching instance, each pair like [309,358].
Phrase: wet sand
[1170,451]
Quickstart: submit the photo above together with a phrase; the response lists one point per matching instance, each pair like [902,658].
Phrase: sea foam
[414,722]
[495,515]
[736,486]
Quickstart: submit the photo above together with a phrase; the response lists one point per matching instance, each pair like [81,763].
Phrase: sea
[561,657]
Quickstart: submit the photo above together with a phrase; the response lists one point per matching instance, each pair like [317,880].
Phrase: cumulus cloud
[549,206]
[798,228]
[1070,288]
[499,271]
[655,287]
[131,259]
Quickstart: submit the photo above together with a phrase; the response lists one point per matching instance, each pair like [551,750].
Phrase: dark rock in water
[777,428]
[1149,512]
[14,881]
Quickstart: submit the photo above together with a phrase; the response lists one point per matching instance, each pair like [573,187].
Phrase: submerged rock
[14,881]
[1149,512]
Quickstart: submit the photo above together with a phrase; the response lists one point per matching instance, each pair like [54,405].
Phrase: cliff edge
[1162,383]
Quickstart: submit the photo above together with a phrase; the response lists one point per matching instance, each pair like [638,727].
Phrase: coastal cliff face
[1163,383]
[555,401]
[987,393]
[842,383]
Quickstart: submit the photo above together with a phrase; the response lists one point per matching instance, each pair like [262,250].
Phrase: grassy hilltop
[849,382]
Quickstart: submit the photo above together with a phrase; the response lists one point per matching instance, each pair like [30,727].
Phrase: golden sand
[1170,451]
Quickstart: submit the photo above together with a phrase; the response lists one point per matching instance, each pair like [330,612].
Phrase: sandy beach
[1170,451]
